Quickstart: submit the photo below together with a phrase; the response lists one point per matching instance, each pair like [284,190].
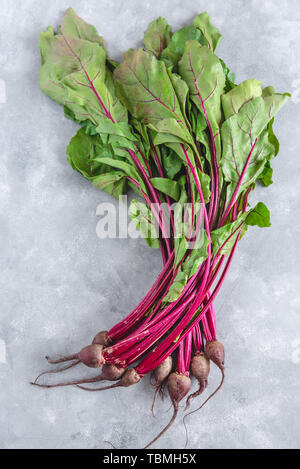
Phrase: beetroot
[200,367]
[216,353]
[101,338]
[179,386]
[91,356]
[109,373]
[130,377]
[160,374]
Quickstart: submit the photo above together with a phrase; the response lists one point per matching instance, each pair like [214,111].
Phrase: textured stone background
[60,283]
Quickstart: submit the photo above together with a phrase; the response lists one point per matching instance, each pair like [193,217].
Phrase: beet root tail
[204,403]
[202,387]
[157,391]
[56,371]
[62,359]
[166,427]
[70,383]
[111,386]
[130,377]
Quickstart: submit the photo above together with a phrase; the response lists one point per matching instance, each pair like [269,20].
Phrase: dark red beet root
[179,386]
[109,373]
[101,338]
[92,356]
[129,378]
[112,372]
[200,367]
[216,353]
[160,374]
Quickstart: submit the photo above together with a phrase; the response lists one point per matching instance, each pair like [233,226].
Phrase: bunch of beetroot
[170,123]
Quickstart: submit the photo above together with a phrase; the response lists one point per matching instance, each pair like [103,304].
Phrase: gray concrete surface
[60,283]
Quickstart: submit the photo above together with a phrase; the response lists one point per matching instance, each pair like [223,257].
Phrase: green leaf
[205,185]
[210,33]
[173,53]
[166,186]
[170,131]
[272,137]
[144,220]
[201,124]
[80,151]
[246,146]
[176,287]
[172,163]
[195,259]
[266,176]
[268,91]
[82,154]
[259,216]
[128,169]
[241,94]
[121,129]
[224,238]
[75,27]
[147,90]
[181,246]
[181,90]
[229,77]
[157,36]
[203,73]
[113,183]
[74,72]
[203,138]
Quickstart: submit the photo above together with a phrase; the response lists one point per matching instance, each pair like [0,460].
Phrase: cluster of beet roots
[177,382]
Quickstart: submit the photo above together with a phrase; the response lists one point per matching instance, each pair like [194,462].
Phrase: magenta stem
[168,346]
[197,339]
[161,173]
[152,293]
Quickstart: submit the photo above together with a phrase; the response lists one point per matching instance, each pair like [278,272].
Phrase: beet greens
[169,123]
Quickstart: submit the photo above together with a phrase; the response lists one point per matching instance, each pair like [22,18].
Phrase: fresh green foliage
[157,37]
[203,73]
[146,121]
[145,222]
[246,145]
[224,238]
